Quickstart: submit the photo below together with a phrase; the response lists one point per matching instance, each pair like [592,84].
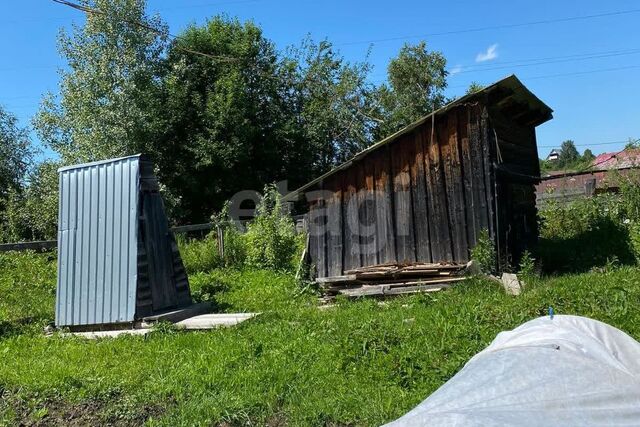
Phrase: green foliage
[27,291]
[235,248]
[475,87]
[271,238]
[417,79]
[588,157]
[15,155]
[32,214]
[592,232]
[358,363]
[200,254]
[333,105]
[527,266]
[484,252]
[242,115]
[568,154]
[108,90]
[632,144]
[569,159]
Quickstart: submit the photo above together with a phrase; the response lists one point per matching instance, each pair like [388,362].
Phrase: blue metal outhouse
[117,258]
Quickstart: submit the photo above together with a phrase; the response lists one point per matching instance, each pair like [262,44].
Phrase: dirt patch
[37,412]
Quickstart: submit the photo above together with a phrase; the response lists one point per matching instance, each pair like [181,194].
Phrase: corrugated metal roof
[97,242]
[512,83]
[620,160]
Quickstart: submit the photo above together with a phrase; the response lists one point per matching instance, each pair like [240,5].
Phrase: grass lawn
[359,363]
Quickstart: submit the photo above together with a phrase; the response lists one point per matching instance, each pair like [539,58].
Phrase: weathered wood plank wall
[422,198]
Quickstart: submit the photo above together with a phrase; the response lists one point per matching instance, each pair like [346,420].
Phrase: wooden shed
[424,194]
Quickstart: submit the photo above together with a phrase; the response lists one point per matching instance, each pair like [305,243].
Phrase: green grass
[358,363]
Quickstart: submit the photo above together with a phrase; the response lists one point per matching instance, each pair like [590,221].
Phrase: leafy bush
[32,213]
[199,254]
[527,267]
[591,232]
[235,248]
[484,252]
[27,291]
[271,238]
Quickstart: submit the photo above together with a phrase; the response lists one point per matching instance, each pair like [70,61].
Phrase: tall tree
[474,87]
[224,117]
[332,104]
[15,155]
[588,156]
[109,88]
[416,82]
[569,155]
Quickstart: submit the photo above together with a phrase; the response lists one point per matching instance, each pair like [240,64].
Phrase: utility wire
[586,145]
[549,58]
[462,69]
[494,27]
[559,60]
[223,3]
[90,10]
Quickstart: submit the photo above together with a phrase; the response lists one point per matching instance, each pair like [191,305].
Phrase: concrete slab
[110,334]
[211,321]
[178,315]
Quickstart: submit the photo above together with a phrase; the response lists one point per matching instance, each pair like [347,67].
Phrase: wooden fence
[47,245]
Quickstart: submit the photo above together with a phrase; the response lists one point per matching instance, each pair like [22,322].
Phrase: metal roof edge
[293,195]
[97,163]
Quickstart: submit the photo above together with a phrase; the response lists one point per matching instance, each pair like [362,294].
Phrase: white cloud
[455,70]
[490,54]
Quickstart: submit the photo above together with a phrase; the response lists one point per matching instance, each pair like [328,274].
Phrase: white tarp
[565,371]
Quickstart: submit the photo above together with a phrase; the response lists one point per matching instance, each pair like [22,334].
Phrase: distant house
[599,178]
[553,155]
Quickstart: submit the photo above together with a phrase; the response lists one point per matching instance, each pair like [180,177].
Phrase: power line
[556,61]
[550,76]
[494,27]
[90,10]
[577,73]
[463,69]
[576,55]
[586,145]
[223,3]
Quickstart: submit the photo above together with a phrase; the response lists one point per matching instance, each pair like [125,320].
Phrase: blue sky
[591,106]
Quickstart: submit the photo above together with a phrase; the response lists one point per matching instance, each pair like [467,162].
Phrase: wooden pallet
[391,279]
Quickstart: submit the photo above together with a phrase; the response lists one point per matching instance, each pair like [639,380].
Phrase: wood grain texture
[334,226]
[384,207]
[442,245]
[351,221]
[455,188]
[419,199]
[400,161]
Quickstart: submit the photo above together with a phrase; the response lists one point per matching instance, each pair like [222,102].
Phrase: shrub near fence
[592,232]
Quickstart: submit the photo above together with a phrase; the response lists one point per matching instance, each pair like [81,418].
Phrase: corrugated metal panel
[97,242]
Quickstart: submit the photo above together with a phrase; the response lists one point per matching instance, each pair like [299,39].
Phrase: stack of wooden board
[391,279]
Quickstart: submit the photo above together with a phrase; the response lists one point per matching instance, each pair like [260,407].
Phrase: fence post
[220,242]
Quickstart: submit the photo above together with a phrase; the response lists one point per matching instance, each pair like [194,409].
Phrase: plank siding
[419,199]
[455,188]
[403,215]
[478,176]
[351,223]
[384,207]
[436,199]
[321,241]
[471,207]
[369,235]
[334,226]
